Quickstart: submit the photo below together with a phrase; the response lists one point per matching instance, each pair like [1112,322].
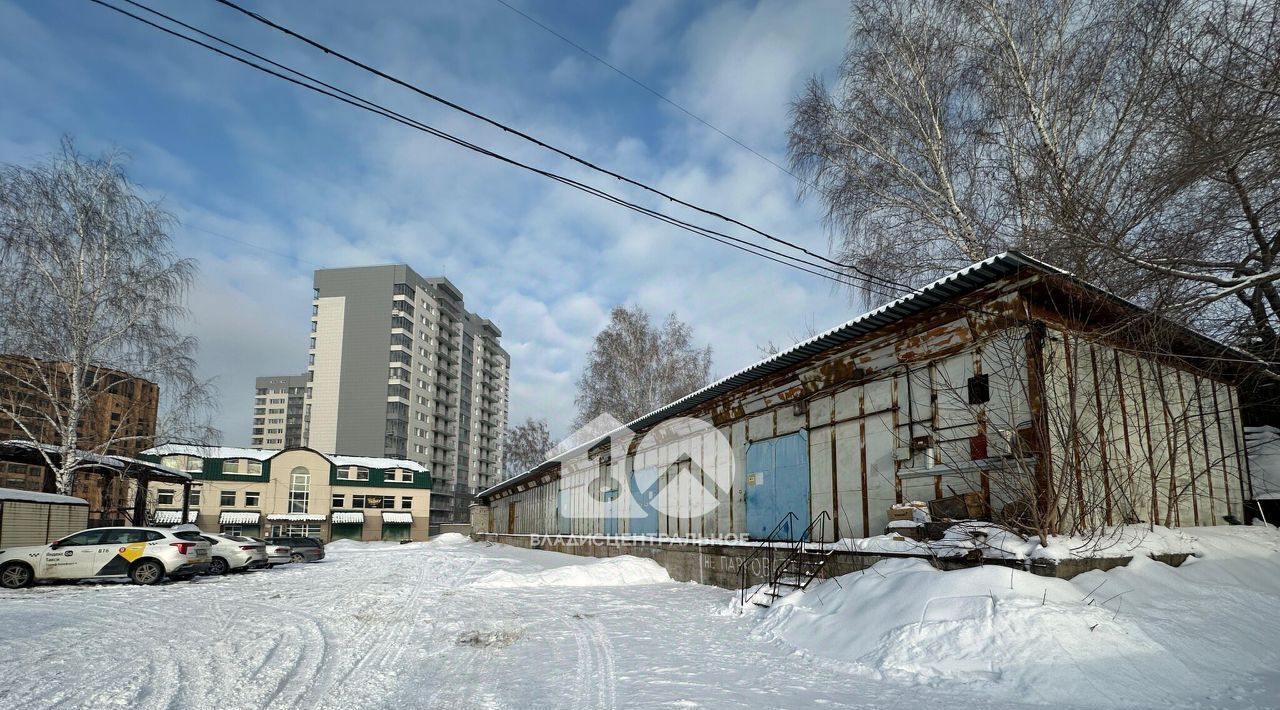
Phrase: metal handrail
[764,546]
[820,520]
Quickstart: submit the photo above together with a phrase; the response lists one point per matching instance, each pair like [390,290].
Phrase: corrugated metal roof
[939,292]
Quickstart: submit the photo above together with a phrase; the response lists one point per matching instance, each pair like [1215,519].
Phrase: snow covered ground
[452,623]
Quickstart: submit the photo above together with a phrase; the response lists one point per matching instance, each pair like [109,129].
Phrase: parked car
[144,555]
[276,554]
[233,553]
[301,549]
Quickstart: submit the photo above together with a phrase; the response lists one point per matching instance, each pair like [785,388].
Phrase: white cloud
[310,181]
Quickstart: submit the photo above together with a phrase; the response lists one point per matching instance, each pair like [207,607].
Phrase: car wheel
[218,567]
[16,575]
[146,572]
[297,557]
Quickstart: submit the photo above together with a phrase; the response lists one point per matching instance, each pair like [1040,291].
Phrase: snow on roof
[211,452]
[172,517]
[348,517]
[37,497]
[297,517]
[233,452]
[373,462]
[234,518]
[397,518]
[54,449]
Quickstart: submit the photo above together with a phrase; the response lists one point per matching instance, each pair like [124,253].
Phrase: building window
[247,467]
[299,489]
[165,497]
[182,462]
[193,499]
[979,389]
[357,501]
[251,499]
[227,498]
[339,500]
[406,501]
[235,530]
[296,530]
[353,473]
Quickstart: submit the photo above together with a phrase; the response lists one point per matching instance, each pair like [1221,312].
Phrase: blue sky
[270,182]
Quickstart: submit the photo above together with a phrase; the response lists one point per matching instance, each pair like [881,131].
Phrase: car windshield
[191,535]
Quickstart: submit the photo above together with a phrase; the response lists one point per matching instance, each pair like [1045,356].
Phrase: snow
[211,452]
[381,624]
[233,452]
[1133,636]
[371,462]
[37,497]
[397,517]
[449,539]
[608,572]
[995,542]
[171,517]
[347,517]
[1263,445]
[297,517]
[230,518]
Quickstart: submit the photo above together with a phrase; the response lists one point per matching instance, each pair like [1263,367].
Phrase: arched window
[299,489]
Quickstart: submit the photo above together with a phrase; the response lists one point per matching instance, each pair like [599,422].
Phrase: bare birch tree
[91,291]
[1133,142]
[527,445]
[635,367]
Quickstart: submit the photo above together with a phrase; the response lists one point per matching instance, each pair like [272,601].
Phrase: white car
[276,554]
[144,555]
[232,553]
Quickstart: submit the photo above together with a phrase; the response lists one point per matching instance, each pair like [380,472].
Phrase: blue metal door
[777,484]
[644,491]
[610,512]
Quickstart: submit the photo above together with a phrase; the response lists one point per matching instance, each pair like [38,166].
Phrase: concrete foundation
[718,563]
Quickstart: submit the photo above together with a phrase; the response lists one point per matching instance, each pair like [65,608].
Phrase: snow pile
[623,570]
[1135,635]
[344,545]
[448,540]
[1263,445]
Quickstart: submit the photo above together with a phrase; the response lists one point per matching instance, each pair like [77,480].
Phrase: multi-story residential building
[398,368]
[296,491]
[119,419]
[277,411]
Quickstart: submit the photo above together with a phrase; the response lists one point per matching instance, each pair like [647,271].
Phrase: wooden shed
[31,518]
[1026,389]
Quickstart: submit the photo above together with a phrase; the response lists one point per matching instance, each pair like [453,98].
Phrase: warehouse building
[298,491]
[1021,390]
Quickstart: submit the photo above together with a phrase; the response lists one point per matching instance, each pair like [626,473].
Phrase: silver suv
[144,555]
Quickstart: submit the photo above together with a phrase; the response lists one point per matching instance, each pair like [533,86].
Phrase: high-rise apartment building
[399,369]
[277,411]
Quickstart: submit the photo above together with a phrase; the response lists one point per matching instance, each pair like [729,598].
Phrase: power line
[542,144]
[359,102]
[653,91]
